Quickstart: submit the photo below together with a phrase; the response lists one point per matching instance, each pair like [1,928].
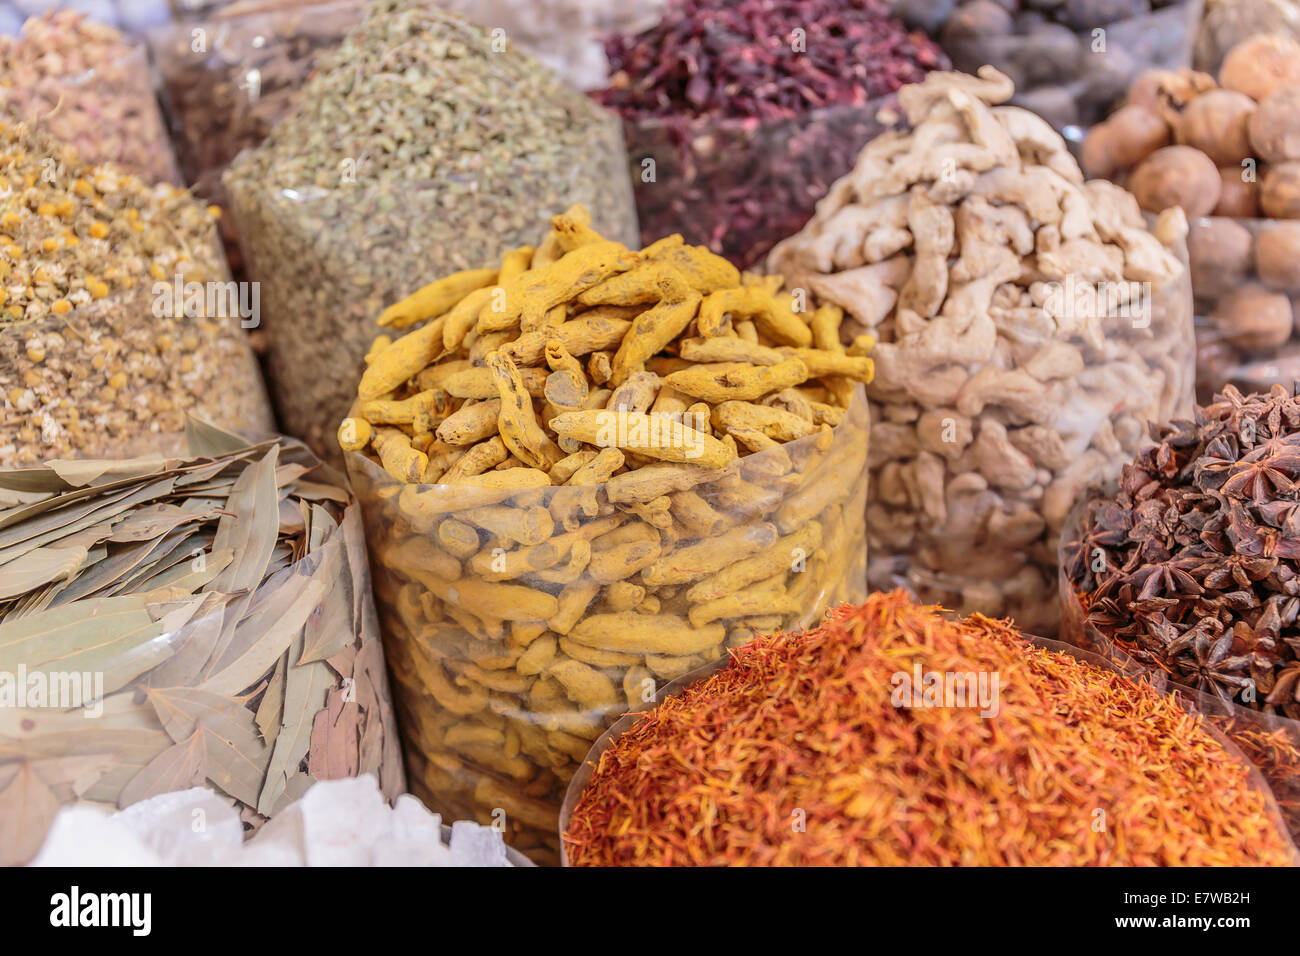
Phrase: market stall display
[87,86]
[1228,154]
[1029,326]
[419,148]
[166,623]
[739,115]
[1070,60]
[105,344]
[893,735]
[587,473]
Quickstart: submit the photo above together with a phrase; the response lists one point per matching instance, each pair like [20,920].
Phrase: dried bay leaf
[149,523]
[193,647]
[271,708]
[40,567]
[335,739]
[265,634]
[305,690]
[99,515]
[206,440]
[250,530]
[27,808]
[235,753]
[219,606]
[179,767]
[87,471]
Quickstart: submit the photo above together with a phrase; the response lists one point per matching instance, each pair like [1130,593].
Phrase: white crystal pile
[336,823]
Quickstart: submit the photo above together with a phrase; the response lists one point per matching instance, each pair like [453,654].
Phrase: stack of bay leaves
[166,623]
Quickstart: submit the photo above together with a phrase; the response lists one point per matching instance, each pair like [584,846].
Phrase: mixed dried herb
[586,473]
[420,146]
[749,111]
[86,85]
[89,363]
[171,622]
[799,753]
[1193,564]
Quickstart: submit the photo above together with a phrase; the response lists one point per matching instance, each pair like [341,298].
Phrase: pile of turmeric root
[587,472]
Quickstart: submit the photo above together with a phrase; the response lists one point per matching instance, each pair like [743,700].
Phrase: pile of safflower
[796,754]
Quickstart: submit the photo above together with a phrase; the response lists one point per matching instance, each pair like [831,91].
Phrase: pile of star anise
[1193,565]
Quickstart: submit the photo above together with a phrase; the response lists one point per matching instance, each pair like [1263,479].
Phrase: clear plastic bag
[1246,284]
[229,80]
[1270,742]
[107,114]
[519,625]
[738,186]
[1282,804]
[1075,78]
[1013,366]
[972,519]
[300,692]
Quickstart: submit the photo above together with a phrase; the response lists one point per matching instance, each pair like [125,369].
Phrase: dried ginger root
[588,494]
[990,273]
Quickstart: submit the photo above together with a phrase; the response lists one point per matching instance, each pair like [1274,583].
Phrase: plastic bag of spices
[639,458]
[87,86]
[621,809]
[520,624]
[116,316]
[204,620]
[377,181]
[735,123]
[1070,62]
[1030,325]
[228,80]
[1206,594]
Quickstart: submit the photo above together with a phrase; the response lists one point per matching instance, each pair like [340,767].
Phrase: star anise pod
[1212,668]
[1239,568]
[1286,692]
[1261,479]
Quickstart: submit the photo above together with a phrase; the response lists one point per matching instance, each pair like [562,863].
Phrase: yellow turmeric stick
[471,423]
[825,327]
[657,326]
[435,298]
[728,348]
[859,368]
[397,456]
[573,231]
[462,316]
[482,457]
[650,435]
[354,434]
[590,332]
[480,382]
[540,290]
[645,633]
[404,412]
[736,381]
[550,249]
[517,423]
[401,360]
